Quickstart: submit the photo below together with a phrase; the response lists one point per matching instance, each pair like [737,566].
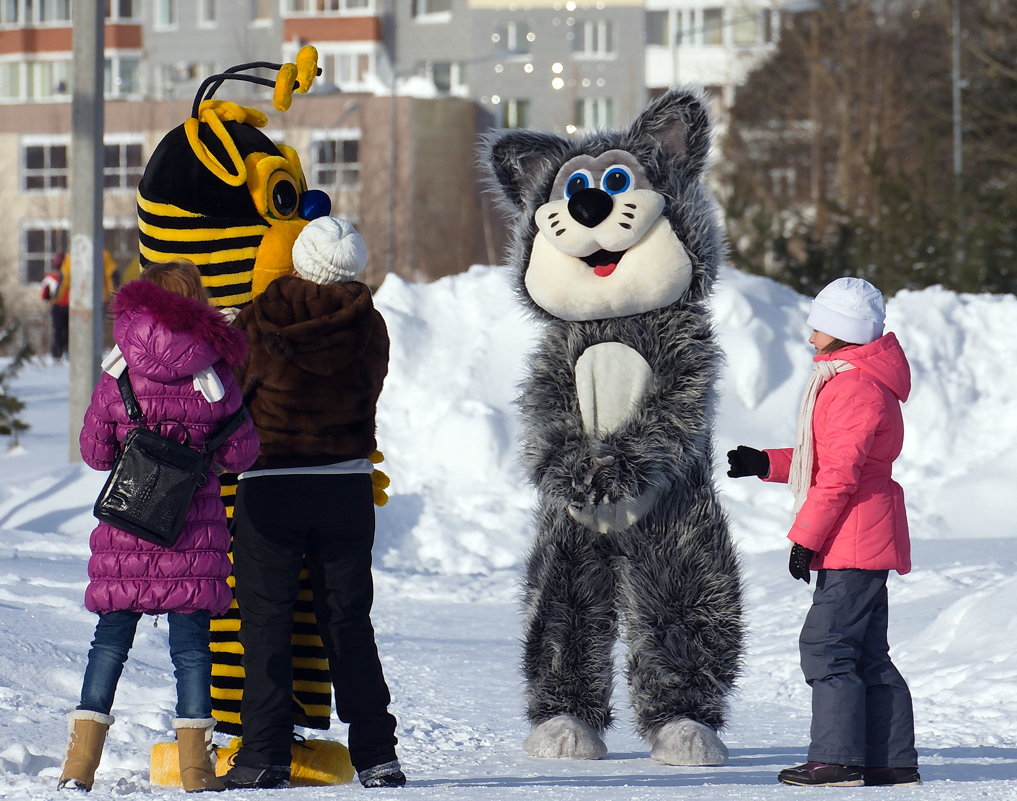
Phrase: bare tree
[839,153]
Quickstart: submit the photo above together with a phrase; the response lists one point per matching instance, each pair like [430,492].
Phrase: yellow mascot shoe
[320,762]
[315,763]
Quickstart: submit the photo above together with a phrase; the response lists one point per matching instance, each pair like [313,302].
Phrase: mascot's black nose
[590,206]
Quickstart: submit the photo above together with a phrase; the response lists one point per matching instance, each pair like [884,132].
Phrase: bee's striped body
[220,193]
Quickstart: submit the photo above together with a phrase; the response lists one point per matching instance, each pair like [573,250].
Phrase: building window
[745,29]
[10,12]
[123,10]
[335,159]
[39,242]
[261,11]
[594,112]
[53,11]
[39,12]
[658,28]
[44,166]
[594,38]
[446,75]
[514,37]
[208,13]
[121,77]
[165,14]
[35,80]
[123,164]
[713,23]
[347,69]
[335,169]
[420,8]
[298,8]
[517,113]
[10,81]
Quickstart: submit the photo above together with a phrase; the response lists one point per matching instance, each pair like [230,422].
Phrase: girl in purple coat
[180,353]
[851,527]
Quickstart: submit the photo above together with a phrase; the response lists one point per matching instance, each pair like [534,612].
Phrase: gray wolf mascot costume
[615,247]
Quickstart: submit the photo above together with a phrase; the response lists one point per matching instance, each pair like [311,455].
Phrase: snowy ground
[451,541]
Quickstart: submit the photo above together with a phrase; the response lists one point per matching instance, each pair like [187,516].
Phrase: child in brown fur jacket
[318,359]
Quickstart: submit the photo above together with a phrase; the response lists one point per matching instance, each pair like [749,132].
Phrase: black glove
[799,561]
[746,461]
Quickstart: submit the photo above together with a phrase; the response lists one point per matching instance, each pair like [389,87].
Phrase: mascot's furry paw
[565,737]
[685,742]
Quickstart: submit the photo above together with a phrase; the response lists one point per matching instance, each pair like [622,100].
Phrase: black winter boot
[879,777]
[387,774]
[822,774]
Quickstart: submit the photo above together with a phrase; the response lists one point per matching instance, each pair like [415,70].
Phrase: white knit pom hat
[329,251]
[850,309]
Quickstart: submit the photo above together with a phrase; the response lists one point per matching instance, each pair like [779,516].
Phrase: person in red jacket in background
[851,526]
[55,290]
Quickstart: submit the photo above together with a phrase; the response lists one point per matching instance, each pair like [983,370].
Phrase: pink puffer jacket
[165,339]
[853,515]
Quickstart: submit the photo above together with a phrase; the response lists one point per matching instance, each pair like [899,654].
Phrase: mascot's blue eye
[616,180]
[579,180]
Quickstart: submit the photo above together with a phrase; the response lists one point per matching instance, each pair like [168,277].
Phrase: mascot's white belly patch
[611,379]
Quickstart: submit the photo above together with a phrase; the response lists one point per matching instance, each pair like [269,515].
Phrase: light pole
[955,77]
[958,156]
[86,294]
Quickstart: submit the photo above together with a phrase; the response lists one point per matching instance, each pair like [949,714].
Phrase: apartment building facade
[389,129]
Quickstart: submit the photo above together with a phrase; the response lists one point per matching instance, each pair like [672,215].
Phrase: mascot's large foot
[565,737]
[685,742]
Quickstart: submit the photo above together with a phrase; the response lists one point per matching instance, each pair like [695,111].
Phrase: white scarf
[204,381]
[800,475]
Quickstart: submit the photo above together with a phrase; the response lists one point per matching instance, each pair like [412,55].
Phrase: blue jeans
[189,651]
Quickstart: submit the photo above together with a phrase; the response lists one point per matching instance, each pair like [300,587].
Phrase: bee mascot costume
[219,192]
[615,247]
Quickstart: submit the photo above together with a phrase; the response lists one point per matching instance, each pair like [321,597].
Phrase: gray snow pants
[861,705]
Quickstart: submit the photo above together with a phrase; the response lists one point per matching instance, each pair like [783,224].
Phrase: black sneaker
[822,774]
[387,774]
[880,777]
[265,777]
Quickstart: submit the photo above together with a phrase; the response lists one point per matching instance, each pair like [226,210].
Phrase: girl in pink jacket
[850,525]
[179,353]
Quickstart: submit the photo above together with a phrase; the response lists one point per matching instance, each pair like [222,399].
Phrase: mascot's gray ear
[517,160]
[680,124]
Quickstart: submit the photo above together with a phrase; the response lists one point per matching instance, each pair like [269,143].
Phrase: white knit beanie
[329,251]
[850,309]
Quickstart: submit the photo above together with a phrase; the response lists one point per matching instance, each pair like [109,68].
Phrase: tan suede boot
[88,735]
[194,749]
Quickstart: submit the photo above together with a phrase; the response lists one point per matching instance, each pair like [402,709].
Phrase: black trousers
[330,518]
[60,318]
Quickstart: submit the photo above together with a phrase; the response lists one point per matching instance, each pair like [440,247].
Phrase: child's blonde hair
[180,276]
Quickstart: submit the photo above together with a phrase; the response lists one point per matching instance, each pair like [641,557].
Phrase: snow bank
[448,427]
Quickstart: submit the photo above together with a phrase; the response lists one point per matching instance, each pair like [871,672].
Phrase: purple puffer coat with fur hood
[166,338]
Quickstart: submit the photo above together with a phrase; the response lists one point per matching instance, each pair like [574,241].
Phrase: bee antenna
[218,81]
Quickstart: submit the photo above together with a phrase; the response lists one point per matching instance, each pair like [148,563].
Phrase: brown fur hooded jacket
[316,364]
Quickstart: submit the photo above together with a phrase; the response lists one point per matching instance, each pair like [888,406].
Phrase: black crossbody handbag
[153,479]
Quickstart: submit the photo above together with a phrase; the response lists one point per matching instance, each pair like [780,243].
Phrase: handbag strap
[221,434]
[130,399]
[233,422]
